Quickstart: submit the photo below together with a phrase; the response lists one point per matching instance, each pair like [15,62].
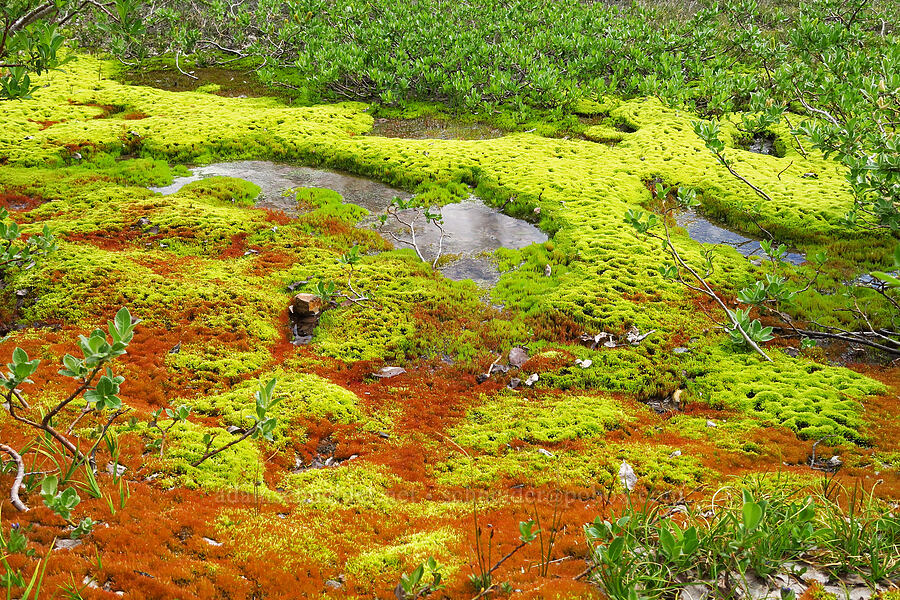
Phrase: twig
[17,482]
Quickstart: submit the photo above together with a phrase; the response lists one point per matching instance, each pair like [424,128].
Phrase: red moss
[17,202]
[46,124]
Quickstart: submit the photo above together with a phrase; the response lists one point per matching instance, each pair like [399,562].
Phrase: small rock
[675,454]
[696,591]
[537,210]
[234,430]
[834,462]
[584,364]
[546,453]
[861,593]
[333,584]
[811,574]
[711,423]
[388,372]
[532,379]
[481,378]
[90,582]
[514,383]
[175,349]
[548,270]
[498,369]
[681,350]
[610,343]
[67,544]
[384,435]
[212,542]
[518,356]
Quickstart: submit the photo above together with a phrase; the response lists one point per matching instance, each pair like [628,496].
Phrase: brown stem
[210,454]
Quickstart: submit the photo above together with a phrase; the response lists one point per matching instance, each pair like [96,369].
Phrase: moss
[728,434]
[409,551]
[355,486]
[300,395]
[548,419]
[593,466]
[811,399]
[236,469]
[224,190]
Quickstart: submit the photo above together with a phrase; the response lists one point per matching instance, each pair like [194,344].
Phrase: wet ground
[705,231]
[232,83]
[762,144]
[431,128]
[471,228]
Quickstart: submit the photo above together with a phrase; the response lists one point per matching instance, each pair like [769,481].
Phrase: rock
[115,469]
[635,337]
[812,574]
[304,312]
[481,378]
[838,592]
[212,542]
[695,591]
[584,364]
[532,379]
[518,356]
[90,582]
[627,476]
[681,350]
[834,462]
[861,593]
[234,430]
[610,343]
[388,372]
[548,270]
[333,584]
[675,454]
[546,453]
[67,544]
[711,423]
[305,304]
[175,349]
[498,369]
[384,435]
[514,383]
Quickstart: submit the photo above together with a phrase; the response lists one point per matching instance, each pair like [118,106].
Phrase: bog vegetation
[262,390]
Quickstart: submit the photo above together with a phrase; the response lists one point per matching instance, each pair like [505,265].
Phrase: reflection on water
[703,230]
[430,128]
[274,179]
[471,228]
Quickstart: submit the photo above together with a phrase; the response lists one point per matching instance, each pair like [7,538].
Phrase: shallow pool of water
[274,179]
[705,231]
[471,228]
[430,128]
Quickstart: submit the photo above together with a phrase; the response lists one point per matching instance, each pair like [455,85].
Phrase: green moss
[354,486]
[814,400]
[300,395]
[224,190]
[236,469]
[548,419]
[594,466]
[406,552]
[730,434]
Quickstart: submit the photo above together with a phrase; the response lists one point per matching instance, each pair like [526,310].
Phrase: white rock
[545,452]
[711,423]
[586,363]
[532,379]
[388,372]
[212,542]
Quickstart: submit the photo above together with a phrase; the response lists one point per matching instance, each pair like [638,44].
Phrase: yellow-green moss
[548,419]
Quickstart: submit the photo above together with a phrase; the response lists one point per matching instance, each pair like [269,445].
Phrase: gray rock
[532,379]
[333,584]
[67,544]
[681,350]
[388,372]
[711,423]
[518,356]
[695,591]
